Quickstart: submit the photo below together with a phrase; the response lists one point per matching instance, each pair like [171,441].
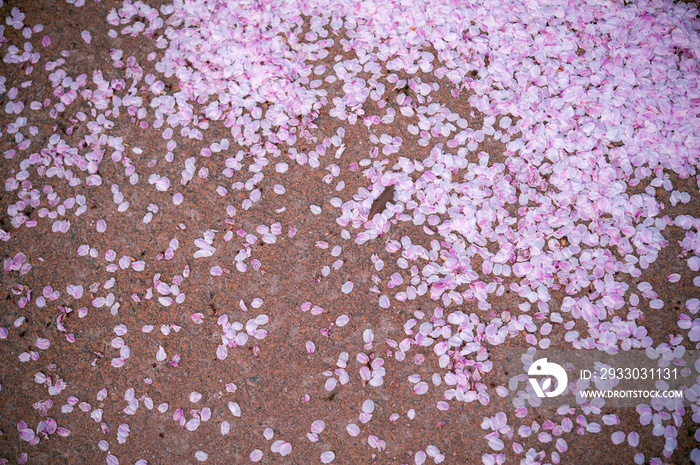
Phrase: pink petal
[318,426]
[618,437]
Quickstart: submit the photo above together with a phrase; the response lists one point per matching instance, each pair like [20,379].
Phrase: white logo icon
[542,367]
